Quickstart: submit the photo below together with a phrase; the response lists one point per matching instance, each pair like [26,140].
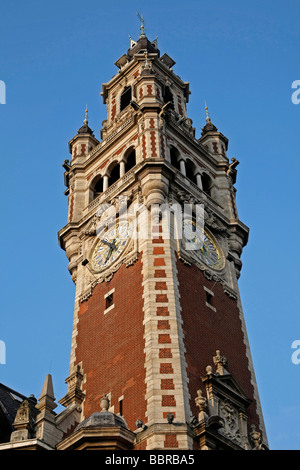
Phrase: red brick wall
[205,331]
[111,345]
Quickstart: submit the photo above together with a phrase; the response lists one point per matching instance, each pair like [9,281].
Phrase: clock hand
[111,246]
[114,244]
[108,255]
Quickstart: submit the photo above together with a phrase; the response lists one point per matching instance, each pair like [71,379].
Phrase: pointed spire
[85,128]
[46,428]
[47,389]
[47,399]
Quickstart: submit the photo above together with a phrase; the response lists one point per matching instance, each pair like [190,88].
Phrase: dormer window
[125,98]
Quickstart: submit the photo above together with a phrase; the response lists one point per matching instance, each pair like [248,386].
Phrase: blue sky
[241,57]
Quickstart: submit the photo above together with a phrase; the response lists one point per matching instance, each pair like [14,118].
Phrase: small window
[209,297]
[109,301]
[125,98]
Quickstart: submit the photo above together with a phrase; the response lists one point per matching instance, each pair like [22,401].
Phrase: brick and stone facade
[152,322]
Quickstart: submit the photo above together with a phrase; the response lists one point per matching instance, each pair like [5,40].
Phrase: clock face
[111,245]
[202,245]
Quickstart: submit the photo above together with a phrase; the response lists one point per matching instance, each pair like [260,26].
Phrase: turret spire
[209,126]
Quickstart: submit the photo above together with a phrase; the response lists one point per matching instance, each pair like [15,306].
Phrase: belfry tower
[159,357]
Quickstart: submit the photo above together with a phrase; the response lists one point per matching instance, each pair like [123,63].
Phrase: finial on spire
[85,121]
[209,126]
[207,113]
[142,27]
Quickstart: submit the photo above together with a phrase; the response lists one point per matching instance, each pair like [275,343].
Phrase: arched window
[206,183]
[125,98]
[190,171]
[130,161]
[96,187]
[114,174]
[168,97]
[174,155]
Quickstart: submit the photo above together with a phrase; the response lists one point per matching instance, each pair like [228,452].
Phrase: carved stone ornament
[104,403]
[231,429]
[201,403]
[187,198]
[213,222]
[23,424]
[23,414]
[221,363]
[255,438]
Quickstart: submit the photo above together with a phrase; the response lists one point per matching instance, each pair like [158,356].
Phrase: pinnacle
[47,389]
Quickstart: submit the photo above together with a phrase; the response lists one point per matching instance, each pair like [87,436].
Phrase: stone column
[199,181]
[182,167]
[122,168]
[105,182]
